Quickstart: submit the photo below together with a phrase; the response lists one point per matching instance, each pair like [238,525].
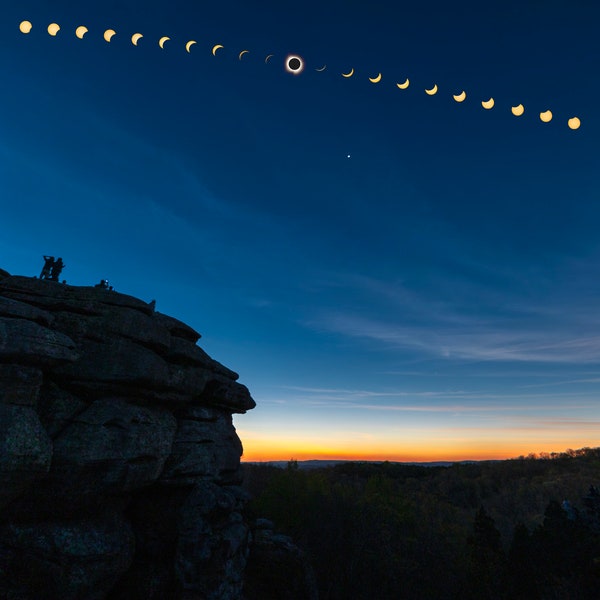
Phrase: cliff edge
[119,462]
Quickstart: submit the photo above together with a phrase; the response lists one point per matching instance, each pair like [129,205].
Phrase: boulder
[25,450]
[188,380]
[117,360]
[206,447]
[228,394]
[69,559]
[127,323]
[138,327]
[184,352]
[20,385]
[211,544]
[111,447]
[57,408]
[27,342]
[22,310]
[177,328]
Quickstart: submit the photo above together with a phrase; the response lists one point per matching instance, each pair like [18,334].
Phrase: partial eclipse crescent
[574,123]
[189,45]
[25,26]
[546,117]
[267,59]
[53,28]
[349,73]
[135,38]
[215,48]
[460,97]
[404,85]
[487,104]
[517,110]
[81,31]
[108,34]
[375,79]
[242,53]
[432,91]
[162,41]
[321,69]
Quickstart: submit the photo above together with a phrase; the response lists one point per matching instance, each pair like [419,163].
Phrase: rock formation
[119,462]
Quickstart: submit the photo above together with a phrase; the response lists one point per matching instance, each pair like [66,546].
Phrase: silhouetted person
[57,268]
[48,264]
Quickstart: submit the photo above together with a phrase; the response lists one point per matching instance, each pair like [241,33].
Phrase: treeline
[527,528]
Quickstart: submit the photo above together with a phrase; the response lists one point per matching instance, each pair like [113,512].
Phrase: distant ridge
[323,464]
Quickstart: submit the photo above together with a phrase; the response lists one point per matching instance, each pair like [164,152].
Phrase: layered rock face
[119,461]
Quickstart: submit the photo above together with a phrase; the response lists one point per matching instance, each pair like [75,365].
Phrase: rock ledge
[119,462]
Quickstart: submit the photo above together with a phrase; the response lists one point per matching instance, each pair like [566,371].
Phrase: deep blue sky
[436,289]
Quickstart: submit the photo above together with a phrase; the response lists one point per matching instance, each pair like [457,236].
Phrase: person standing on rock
[48,265]
[57,268]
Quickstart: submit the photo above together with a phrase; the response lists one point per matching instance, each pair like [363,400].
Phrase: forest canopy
[522,528]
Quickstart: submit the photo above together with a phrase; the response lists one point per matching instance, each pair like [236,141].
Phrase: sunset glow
[442,449]
[485,433]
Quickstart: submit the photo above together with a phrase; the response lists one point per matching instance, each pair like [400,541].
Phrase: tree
[486,559]
[519,575]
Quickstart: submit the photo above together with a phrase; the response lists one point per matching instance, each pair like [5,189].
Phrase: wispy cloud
[470,341]
[562,382]
[553,424]
[472,323]
[402,400]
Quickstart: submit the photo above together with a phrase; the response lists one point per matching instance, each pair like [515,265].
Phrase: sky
[395,275]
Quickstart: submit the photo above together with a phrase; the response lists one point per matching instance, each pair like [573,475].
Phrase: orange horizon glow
[276,452]
[417,441]
[304,456]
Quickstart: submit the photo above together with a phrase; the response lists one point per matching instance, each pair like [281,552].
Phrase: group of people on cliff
[52,268]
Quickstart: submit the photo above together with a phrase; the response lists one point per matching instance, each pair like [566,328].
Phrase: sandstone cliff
[119,461]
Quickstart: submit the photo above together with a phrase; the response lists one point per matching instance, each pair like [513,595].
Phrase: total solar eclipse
[294,64]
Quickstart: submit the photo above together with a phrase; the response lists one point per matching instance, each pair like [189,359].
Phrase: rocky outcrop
[119,461]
